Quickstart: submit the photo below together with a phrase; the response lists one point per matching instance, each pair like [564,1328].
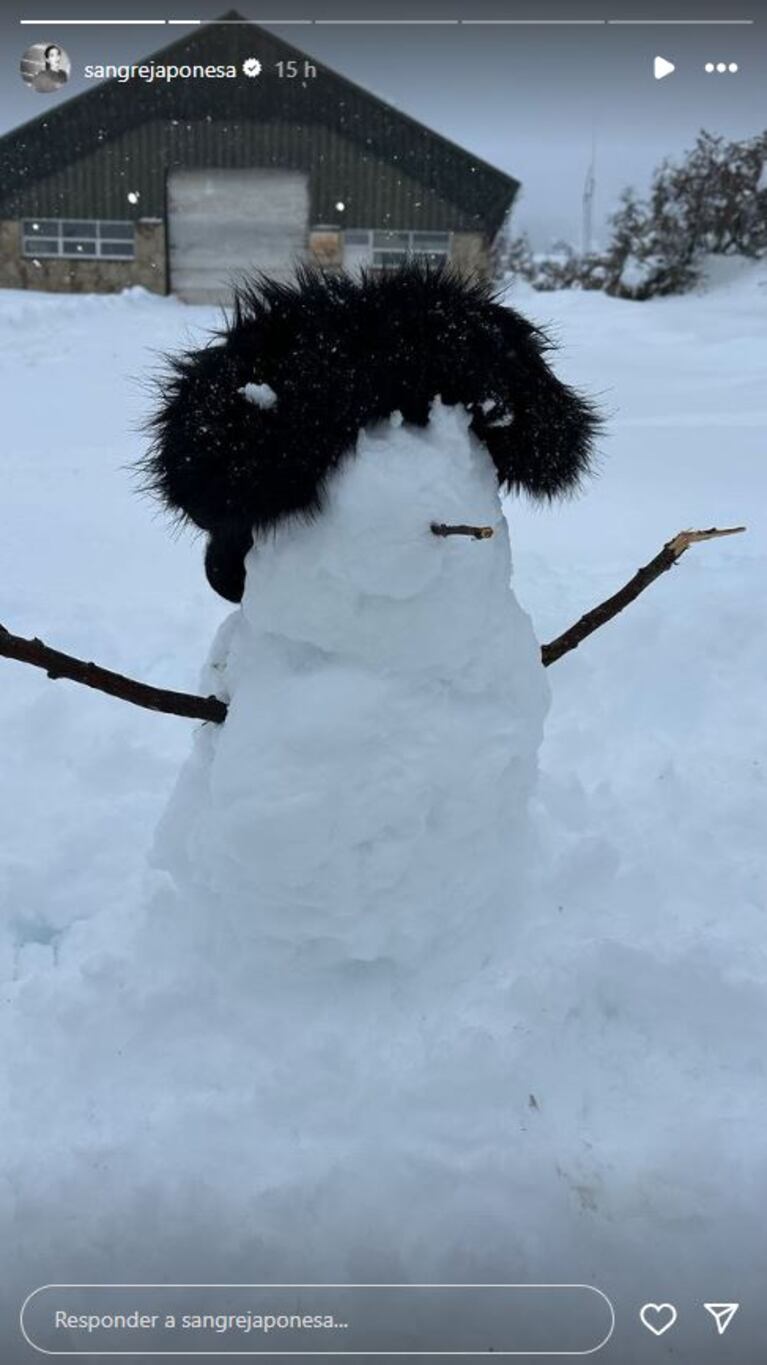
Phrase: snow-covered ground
[629,1150]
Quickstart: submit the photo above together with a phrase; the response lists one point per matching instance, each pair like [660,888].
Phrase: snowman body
[367,792]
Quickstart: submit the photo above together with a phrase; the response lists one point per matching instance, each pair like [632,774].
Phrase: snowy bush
[560,268]
[713,202]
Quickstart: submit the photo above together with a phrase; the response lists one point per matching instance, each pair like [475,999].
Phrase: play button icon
[661,67]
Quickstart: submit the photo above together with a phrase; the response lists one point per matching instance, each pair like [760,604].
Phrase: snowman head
[251,428]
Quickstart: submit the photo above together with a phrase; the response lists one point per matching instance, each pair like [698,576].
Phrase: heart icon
[658,1317]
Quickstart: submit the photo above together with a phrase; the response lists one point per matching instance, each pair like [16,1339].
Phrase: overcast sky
[531,99]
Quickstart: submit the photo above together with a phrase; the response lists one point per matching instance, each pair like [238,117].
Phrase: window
[78,238]
[383,250]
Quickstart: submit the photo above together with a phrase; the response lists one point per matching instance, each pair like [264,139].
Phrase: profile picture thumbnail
[45,67]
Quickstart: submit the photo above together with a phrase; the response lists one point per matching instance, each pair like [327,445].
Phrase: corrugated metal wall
[86,156]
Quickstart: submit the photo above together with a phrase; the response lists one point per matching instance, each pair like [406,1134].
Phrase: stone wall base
[86,276]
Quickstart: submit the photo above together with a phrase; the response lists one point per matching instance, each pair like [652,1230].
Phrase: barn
[179,183]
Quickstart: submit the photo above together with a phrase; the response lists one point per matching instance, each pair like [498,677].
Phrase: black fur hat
[338,353]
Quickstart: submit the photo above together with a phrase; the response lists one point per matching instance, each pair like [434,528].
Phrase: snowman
[344,445]
[350,849]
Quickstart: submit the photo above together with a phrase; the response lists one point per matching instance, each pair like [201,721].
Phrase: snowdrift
[586,1101]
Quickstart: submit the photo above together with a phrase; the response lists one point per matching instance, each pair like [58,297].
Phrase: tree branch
[642,579]
[58,665]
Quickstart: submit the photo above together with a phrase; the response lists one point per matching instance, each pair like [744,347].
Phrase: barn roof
[74,133]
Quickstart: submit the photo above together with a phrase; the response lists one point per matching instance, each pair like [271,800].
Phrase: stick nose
[476,532]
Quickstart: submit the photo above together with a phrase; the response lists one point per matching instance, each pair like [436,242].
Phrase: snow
[635,273]
[206,1097]
[261,395]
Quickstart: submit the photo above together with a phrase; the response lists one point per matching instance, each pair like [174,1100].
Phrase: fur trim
[250,427]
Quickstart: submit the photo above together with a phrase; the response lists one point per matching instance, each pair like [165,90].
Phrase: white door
[222,224]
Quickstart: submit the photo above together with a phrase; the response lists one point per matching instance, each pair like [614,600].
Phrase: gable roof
[80,126]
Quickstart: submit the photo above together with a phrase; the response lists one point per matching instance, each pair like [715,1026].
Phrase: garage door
[223,223]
